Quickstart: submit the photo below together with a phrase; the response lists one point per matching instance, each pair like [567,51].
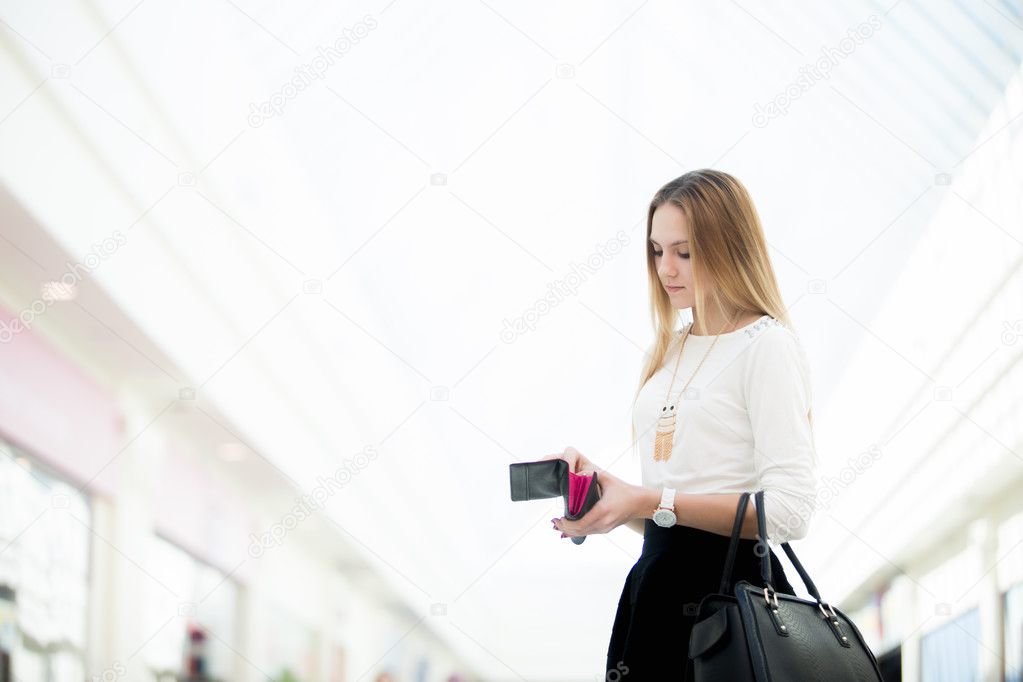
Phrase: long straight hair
[731,266]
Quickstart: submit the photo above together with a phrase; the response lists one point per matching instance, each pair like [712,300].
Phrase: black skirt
[657,609]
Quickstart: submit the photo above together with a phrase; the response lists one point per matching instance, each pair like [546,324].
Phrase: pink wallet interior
[578,486]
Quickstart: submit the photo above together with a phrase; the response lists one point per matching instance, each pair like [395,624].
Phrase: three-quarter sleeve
[778,397]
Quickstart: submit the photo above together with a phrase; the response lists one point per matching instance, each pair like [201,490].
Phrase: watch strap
[667,499]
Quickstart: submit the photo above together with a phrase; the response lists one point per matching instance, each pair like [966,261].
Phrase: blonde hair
[728,250]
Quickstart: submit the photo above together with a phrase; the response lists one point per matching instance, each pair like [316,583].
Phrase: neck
[718,323]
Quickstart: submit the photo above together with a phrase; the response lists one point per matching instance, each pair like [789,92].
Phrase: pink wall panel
[53,410]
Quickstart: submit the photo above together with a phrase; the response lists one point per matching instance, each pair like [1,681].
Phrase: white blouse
[741,425]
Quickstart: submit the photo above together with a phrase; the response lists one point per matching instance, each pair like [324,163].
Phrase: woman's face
[669,235]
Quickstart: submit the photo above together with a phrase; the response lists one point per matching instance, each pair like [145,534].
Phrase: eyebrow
[682,241]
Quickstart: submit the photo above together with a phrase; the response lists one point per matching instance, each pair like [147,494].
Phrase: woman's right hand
[577,462]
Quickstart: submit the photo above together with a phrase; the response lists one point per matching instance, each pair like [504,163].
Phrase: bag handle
[765,560]
[726,576]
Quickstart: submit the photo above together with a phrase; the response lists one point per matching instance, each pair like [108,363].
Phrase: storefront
[44,571]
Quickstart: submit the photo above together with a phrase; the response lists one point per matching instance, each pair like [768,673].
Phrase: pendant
[664,440]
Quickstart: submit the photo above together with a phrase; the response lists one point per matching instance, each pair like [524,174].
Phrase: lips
[672,289]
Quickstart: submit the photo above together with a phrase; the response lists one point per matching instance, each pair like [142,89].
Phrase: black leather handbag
[549,478]
[751,632]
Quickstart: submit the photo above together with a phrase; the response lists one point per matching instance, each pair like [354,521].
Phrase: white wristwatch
[664,515]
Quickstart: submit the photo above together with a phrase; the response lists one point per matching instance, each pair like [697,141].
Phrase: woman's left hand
[619,503]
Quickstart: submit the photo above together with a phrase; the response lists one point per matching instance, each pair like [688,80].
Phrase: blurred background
[285,287]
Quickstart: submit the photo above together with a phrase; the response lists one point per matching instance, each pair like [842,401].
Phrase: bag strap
[733,545]
[810,587]
[765,560]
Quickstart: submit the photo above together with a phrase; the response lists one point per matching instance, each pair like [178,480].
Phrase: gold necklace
[664,441]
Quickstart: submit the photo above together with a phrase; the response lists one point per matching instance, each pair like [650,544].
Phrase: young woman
[723,407]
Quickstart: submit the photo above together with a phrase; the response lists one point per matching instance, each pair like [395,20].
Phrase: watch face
[664,517]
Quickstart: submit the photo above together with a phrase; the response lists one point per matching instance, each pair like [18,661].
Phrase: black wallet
[549,478]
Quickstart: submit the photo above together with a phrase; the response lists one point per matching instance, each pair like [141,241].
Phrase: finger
[570,528]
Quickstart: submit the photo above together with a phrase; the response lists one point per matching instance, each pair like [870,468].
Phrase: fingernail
[563,535]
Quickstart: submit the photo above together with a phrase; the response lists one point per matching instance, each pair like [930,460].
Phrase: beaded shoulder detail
[751,332]
[761,325]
